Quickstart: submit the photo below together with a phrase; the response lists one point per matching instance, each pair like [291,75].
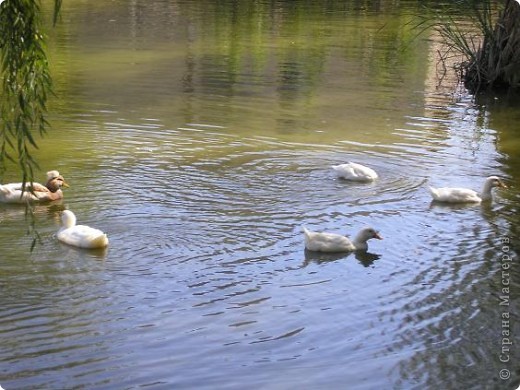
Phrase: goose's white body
[464,195]
[80,235]
[455,195]
[331,242]
[35,192]
[355,172]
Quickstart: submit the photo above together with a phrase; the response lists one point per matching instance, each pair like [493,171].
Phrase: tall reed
[487,34]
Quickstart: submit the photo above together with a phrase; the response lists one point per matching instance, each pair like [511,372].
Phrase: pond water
[199,136]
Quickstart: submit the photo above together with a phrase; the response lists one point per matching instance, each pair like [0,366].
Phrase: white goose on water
[80,235]
[332,242]
[34,192]
[355,172]
[464,195]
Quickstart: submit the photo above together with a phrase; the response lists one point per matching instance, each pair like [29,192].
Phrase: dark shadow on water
[453,206]
[17,210]
[365,258]
[488,209]
[56,207]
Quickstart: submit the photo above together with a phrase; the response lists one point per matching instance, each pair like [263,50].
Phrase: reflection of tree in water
[502,113]
[447,330]
[229,45]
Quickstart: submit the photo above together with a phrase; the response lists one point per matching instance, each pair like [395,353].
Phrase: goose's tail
[5,190]
[100,241]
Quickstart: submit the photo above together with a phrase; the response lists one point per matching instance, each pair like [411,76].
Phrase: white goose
[35,192]
[331,242]
[355,172]
[464,195]
[80,235]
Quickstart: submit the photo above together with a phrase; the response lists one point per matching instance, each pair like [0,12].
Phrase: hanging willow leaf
[25,86]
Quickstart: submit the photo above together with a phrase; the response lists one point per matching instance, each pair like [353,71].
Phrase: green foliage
[26,85]
[487,34]
[26,82]
[498,60]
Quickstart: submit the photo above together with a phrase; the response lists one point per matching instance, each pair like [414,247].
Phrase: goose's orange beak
[64,183]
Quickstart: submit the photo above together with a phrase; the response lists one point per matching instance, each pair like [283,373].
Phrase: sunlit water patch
[206,244]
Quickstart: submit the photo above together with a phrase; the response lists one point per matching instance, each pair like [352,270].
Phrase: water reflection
[15,212]
[83,254]
[459,206]
[366,259]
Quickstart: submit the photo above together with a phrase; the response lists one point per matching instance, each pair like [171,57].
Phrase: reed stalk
[488,37]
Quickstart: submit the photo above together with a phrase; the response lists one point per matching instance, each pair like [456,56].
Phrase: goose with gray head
[332,242]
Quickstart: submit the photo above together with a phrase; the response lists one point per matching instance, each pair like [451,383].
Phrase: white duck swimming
[80,235]
[355,172]
[464,195]
[331,242]
[35,192]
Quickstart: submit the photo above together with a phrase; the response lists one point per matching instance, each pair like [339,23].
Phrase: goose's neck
[52,186]
[69,221]
[360,241]
[486,191]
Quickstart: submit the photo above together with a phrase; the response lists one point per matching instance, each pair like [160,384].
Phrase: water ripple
[206,244]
